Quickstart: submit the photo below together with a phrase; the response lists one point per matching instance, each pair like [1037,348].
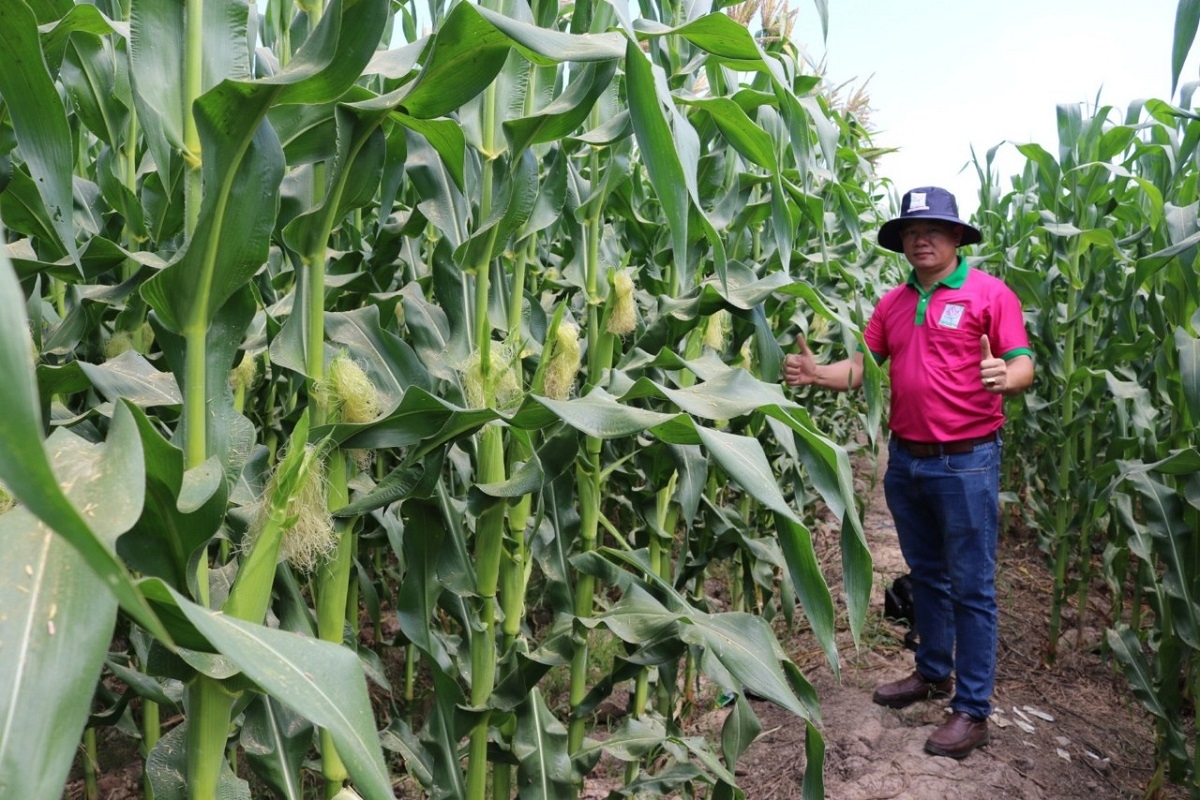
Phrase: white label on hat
[917,202]
[951,316]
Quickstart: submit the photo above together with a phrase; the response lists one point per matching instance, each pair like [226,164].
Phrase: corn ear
[564,363]
[623,317]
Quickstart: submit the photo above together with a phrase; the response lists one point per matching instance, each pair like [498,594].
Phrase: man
[956,340]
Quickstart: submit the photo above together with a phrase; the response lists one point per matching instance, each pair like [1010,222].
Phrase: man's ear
[958,234]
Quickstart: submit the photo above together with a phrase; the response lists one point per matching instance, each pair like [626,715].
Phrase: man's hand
[800,369]
[992,371]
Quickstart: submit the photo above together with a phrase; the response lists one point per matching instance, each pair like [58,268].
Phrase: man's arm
[1008,378]
[802,369]
[1018,376]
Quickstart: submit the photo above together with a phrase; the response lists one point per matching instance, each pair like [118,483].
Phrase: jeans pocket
[981,459]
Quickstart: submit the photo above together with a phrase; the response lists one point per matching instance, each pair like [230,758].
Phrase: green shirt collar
[954,280]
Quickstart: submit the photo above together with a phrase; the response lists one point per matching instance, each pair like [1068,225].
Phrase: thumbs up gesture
[800,369]
[992,371]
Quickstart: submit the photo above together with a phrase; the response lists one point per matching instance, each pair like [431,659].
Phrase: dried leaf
[1039,713]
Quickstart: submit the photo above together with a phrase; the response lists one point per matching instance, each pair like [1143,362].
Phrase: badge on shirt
[952,316]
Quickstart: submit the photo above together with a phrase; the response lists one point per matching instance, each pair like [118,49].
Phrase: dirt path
[1070,732]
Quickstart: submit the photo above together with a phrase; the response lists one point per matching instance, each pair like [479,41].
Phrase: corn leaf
[1188,347]
[386,358]
[275,740]
[90,75]
[158,36]
[320,680]
[445,136]
[667,142]
[814,763]
[1187,19]
[440,188]
[131,377]
[743,460]
[420,417]
[231,437]
[1128,650]
[243,165]
[420,587]
[242,174]
[56,32]
[795,540]
[40,122]
[743,646]
[512,204]
[184,509]
[547,46]
[58,617]
[636,737]
[828,466]
[1172,535]
[540,745]
[166,767]
[26,470]
[724,395]
[466,55]
[638,617]
[566,113]
[355,157]
[335,54]
[598,414]
[740,730]
[717,34]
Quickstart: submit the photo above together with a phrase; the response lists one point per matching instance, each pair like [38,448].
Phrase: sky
[946,76]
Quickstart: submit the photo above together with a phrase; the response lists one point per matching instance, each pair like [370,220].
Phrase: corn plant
[1100,242]
[452,301]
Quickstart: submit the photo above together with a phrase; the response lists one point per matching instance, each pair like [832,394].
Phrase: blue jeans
[947,514]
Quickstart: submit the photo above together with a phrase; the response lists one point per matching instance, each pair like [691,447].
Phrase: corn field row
[350,341]
[1100,240]
[379,402]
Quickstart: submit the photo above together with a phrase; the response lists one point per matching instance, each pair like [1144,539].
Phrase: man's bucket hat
[927,202]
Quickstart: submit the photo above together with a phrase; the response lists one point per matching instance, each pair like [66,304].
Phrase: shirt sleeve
[1007,331]
[875,335]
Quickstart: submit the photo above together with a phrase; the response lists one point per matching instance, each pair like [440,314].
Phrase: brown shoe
[958,736]
[906,691]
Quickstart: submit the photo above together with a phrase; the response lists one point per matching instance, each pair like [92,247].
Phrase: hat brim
[889,232]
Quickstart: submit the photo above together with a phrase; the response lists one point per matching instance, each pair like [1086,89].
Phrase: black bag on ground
[898,606]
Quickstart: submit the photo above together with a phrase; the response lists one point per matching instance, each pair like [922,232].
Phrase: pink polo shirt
[932,341]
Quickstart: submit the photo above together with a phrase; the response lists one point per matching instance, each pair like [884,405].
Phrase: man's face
[931,245]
